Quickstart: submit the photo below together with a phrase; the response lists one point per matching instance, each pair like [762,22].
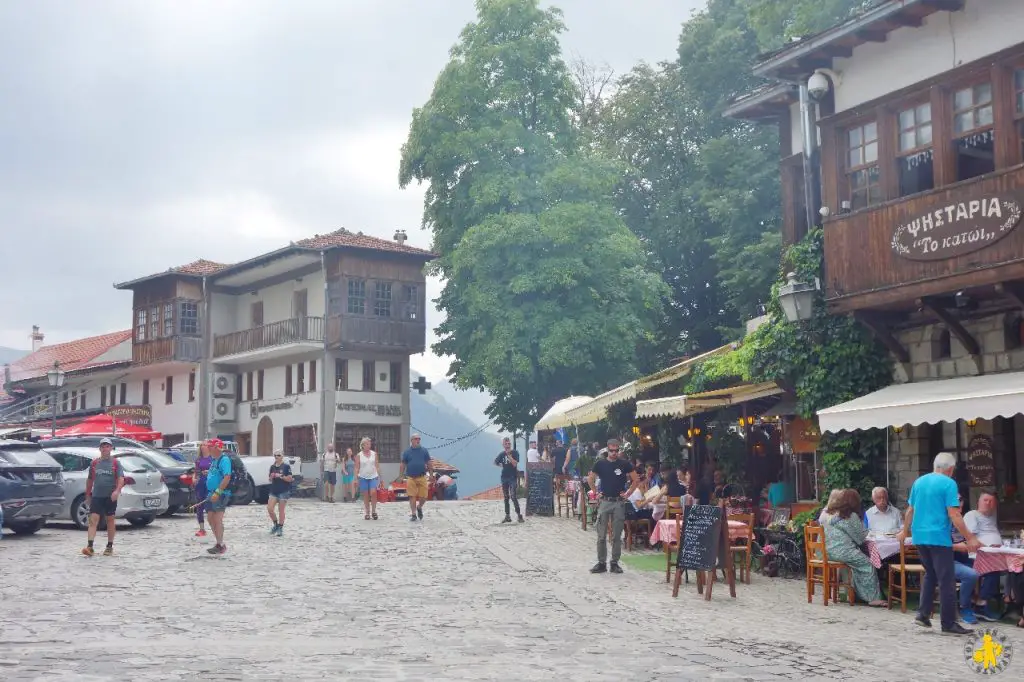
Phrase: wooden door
[244,443]
[257,314]
[265,437]
[299,304]
[299,442]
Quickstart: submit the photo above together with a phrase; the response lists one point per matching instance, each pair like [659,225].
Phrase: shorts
[282,495]
[368,484]
[104,506]
[348,478]
[331,477]
[220,504]
[416,486]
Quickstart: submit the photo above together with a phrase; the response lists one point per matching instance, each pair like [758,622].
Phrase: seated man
[447,488]
[883,517]
[984,523]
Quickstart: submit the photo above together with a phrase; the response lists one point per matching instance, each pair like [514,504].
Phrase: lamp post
[56,378]
[797,299]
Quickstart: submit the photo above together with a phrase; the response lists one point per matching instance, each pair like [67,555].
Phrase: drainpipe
[811,156]
[205,393]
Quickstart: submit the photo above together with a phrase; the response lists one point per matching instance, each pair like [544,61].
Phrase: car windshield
[135,465]
[26,457]
[162,460]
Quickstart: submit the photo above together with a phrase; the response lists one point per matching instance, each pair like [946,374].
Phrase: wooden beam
[838,51]
[882,333]
[873,36]
[953,324]
[947,5]
[1012,291]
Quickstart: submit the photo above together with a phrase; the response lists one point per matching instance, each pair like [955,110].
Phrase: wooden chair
[640,528]
[822,571]
[563,498]
[673,507]
[669,546]
[910,564]
[743,548]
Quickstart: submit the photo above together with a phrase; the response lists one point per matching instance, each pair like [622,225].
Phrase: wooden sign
[704,547]
[135,415]
[981,469]
[946,229]
[540,489]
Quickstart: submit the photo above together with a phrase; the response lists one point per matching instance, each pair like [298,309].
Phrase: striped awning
[687,405]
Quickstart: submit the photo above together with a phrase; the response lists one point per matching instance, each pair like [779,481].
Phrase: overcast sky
[136,136]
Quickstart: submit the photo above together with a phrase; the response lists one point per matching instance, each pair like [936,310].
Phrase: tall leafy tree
[546,291]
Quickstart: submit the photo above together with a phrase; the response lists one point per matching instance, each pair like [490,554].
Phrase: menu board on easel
[540,489]
[704,547]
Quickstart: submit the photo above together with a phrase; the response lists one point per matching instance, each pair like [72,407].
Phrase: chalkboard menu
[540,489]
[701,547]
[981,469]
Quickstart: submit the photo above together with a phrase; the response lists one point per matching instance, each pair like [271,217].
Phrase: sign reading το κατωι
[946,229]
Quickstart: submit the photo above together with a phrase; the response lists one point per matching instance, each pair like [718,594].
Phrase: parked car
[31,486]
[179,493]
[257,470]
[190,449]
[142,499]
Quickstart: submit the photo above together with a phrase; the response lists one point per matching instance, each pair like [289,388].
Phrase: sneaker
[273,531]
[923,621]
[200,533]
[990,614]
[88,551]
[279,531]
[967,616]
[521,519]
[957,629]
[412,517]
[216,549]
[615,568]
[599,568]
[507,519]
[109,551]
[419,512]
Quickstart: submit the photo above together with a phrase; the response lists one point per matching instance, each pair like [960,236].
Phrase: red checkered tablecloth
[665,531]
[999,560]
[880,549]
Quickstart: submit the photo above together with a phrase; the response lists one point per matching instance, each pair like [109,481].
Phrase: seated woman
[833,500]
[844,535]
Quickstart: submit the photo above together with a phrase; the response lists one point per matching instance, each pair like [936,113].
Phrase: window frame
[383,293]
[358,297]
[849,171]
[369,375]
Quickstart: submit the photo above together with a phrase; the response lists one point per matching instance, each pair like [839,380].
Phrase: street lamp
[56,378]
[797,299]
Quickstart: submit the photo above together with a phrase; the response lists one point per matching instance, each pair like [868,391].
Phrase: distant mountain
[438,422]
[470,403]
[8,355]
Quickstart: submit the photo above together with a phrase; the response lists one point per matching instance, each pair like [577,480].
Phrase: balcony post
[206,352]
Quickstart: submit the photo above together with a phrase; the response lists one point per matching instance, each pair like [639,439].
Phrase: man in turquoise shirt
[934,510]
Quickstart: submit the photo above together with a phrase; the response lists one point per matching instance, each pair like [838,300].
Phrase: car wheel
[263,494]
[28,528]
[80,513]
[171,511]
[141,520]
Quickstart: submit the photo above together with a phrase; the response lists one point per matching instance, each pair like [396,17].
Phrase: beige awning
[555,418]
[687,405]
[929,402]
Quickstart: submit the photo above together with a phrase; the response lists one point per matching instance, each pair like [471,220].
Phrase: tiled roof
[494,493]
[200,267]
[72,355]
[343,237]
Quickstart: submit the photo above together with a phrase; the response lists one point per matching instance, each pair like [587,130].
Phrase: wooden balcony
[168,349]
[359,332]
[962,236]
[294,330]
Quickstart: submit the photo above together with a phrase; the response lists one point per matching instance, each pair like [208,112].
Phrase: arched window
[942,345]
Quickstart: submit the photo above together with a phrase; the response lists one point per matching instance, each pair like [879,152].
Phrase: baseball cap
[106,441]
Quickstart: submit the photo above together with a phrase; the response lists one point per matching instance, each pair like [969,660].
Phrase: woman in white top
[369,478]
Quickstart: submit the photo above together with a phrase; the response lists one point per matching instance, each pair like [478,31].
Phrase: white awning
[555,417]
[929,402]
[686,405]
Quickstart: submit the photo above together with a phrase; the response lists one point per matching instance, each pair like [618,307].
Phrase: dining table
[666,531]
[999,560]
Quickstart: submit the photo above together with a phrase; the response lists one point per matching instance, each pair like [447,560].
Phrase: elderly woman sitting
[844,535]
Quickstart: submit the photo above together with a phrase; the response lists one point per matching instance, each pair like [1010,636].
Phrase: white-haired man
[934,509]
[883,517]
[984,523]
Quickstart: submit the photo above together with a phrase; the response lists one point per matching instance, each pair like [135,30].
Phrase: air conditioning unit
[224,410]
[223,384]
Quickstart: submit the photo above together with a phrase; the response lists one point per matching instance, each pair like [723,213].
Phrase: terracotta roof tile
[343,237]
[71,355]
[200,267]
[494,493]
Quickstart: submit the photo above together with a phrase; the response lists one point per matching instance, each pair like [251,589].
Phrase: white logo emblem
[618,472]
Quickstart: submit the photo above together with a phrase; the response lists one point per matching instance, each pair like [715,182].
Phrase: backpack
[237,478]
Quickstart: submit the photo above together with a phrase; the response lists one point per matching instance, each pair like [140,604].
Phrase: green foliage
[723,370]
[668,446]
[847,461]
[730,453]
[780,21]
[797,523]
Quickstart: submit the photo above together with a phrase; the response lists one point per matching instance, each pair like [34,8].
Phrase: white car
[143,498]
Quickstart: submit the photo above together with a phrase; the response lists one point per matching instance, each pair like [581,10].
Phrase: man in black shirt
[618,481]
[558,456]
[508,460]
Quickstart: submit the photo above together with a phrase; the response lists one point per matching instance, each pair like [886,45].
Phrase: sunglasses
[278,456]
[613,449]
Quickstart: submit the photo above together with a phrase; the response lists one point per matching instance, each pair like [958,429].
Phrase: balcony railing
[295,330]
[927,244]
[355,331]
[168,349]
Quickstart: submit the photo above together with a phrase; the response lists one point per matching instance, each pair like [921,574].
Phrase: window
[942,345]
[357,296]
[915,162]
[396,377]
[259,385]
[341,374]
[189,318]
[862,165]
[312,376]
[64,402]
[382,299]
[256,312]
[191,392]
[368,379]
[140,325]
[145,392]
[301,371]
[248,386]
[972,126]
[288,380]
[81,400]
[113,395]
[154,322]
[103,396]
[124,394]
[168,319]
[169,390]
[410,301]
[74,400]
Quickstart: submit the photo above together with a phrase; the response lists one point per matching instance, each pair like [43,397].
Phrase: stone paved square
[457,597]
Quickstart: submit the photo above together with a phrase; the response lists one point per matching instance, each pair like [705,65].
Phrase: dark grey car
[31,486]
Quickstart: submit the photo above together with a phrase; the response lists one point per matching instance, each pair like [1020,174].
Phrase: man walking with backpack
[218,482]
[102,488]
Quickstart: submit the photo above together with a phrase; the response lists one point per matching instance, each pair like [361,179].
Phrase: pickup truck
[257,469]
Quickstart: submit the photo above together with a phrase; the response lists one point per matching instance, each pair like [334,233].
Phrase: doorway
[244,443]
[265,437]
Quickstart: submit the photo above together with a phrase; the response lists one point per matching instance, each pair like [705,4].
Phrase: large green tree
[545,292]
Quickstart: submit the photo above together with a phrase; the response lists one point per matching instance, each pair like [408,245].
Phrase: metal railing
[268,335]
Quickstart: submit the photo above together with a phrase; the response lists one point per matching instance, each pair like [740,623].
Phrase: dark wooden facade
[166,320]
[168,349]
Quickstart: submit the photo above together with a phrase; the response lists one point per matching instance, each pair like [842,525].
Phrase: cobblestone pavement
[457,597]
